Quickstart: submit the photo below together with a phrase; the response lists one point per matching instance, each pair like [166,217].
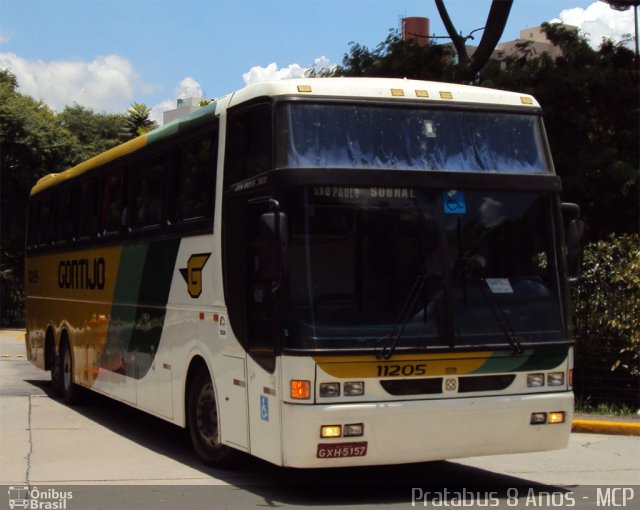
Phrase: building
[186,105]
[538,43]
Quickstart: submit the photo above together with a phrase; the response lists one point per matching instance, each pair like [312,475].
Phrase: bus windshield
[369,264]
[410,138]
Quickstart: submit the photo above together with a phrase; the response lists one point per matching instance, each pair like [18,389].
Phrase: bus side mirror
[274,239]
[574,231]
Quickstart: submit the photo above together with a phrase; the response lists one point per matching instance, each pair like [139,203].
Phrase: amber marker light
[556,417]
[330,431]
[300,390]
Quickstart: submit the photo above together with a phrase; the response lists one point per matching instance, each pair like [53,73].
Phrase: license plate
[339,450]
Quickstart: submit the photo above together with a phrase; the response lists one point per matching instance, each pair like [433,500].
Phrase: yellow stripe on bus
[407,364]
[102,159]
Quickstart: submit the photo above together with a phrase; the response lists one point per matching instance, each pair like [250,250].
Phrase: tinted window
[44,221]
[148,193]
[88,213]
[194,179]
[112,203]
[63,216]
[249,144]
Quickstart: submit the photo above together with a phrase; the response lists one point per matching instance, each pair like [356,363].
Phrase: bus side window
[88,211]
[44,221]
[249,143]
[195,179]
[147,194]
[112,203]
[63,216]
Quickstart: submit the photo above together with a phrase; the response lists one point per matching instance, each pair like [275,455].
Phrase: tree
[95,132]
[469,66]
[138,121]
[395,58]
[33,143]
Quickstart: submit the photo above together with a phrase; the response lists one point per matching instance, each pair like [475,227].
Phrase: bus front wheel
[203,423]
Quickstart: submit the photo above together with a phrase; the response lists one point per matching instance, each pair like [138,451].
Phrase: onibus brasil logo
[22,496]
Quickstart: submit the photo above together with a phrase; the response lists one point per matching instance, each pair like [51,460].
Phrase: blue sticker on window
[453,202]
[264,407]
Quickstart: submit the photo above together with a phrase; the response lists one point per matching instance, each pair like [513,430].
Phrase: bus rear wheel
[203,423]
[67,388]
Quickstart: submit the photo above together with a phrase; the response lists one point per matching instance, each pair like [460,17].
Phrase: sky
[107,54]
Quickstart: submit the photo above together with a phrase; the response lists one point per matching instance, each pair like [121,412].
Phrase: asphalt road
[105,455]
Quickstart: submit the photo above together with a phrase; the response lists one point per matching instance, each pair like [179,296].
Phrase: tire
[54,365]
[69,392]
[202,420]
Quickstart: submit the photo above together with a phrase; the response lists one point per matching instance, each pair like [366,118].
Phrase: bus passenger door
[267,234]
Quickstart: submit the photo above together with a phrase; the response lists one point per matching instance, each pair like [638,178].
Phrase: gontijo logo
[192,274]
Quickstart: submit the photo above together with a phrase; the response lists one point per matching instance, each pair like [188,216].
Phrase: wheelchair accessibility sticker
[453,202]
[264,407]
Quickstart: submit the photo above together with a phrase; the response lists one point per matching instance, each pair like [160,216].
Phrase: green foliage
[587,406]
[35,141]
[607,300]
[395,58]
[137,120]
[94,132]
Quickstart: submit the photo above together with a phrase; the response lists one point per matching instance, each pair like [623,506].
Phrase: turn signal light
[300,389]
[331,431]
[556,417]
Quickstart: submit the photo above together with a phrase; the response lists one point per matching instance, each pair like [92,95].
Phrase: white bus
[317,272]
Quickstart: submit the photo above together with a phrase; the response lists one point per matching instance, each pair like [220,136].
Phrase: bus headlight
[555,379]
[535,380]
[353,388]
[353,429]
[538,418]
[331,389]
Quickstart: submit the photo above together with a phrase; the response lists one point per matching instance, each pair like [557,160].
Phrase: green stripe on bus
[531,359]
[188,122]
[138,312]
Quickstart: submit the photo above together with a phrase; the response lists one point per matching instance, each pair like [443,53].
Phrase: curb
[606,427]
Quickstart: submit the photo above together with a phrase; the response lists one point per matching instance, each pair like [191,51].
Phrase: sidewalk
[600,424]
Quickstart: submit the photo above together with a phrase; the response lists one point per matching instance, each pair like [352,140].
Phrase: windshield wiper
[501,317]
[403,317]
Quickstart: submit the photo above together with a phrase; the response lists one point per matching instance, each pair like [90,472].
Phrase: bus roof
[383,88]
[369,88]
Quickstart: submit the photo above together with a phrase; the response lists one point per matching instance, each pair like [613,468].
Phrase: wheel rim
[66,369]
[206,416]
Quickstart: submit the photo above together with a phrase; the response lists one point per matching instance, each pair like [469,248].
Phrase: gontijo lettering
[82,274]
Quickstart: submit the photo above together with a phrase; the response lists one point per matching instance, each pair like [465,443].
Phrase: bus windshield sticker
[429,129]
[453,202]
[499,285]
